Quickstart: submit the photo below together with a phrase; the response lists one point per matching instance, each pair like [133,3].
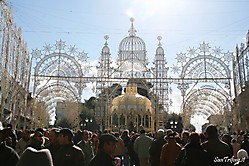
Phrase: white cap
[242,154]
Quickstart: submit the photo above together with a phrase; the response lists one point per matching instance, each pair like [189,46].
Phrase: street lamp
[86,122]
[173,124]
[81,126]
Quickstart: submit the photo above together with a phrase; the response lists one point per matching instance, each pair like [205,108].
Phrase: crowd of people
[63,147]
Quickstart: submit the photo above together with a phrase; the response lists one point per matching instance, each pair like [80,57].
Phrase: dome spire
[132,31]
[159,38]
[106,37]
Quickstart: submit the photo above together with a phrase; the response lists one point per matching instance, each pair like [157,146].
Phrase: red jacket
[169,153]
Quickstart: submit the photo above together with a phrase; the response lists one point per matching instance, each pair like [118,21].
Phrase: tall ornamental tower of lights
[131,68]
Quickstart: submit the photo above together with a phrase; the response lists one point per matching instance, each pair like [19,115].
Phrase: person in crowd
[168,131]
[86,146]
[68,154]
[19,134]
[216,148]
[240,137]
[245,143]
[126,139]
[11,136]
[53,145]
[95,142]
[242,158]
[141,147]
[156,147]
[236,147]
[227,139]
[8,156]
[170,151]
[185,138]
[203,138]
[178,138]
[44,136]
[192,153]
[134,160]
[23,142]
[106,148]
[37,141]
[120,148]
[77,137]
[32,156]
[234,136]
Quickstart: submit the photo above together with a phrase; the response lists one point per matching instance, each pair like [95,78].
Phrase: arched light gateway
[207,102]
[204,80]
[205,83]
[58,73]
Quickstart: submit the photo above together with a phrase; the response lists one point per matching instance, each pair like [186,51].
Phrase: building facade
[15,67]
[241,86]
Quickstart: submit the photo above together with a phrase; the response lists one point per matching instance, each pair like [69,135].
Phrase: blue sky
[181,23]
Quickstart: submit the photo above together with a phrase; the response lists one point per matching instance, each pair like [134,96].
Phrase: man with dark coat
[218,151]
[35,157]
[53,145]
[68,154]
[245,143]
[170,151]
[106,148]
[192,153]
[156,147]
[8,156]
[86,146]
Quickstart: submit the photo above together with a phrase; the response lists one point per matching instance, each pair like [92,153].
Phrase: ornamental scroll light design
[58,73]
[198,68]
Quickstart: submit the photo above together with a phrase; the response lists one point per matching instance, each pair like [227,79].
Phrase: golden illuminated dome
[131,101]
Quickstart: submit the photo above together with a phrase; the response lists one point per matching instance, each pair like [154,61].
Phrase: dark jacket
[155,151]
[217,150]
[86,147]
[8,156]
[35,157]
[245,145]
[194,155]
[53,149]
[102,159]
[69,155]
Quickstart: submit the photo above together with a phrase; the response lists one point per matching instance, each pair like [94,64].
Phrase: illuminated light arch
[202,66]
[58,73]
[206,101]
[192,66]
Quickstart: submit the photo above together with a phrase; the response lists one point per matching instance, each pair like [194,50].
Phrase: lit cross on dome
[106,37]
[132,31]
[159,38]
